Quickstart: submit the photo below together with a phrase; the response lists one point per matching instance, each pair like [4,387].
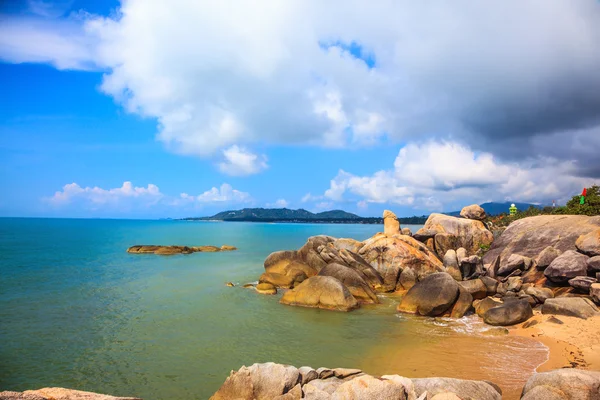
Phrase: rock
[463,303]
[464,389]
[406,231]
[347,244]
[307,374]
[471,267]
[450,261]
[248,285]
[491,285]
[422,235]
[474,211]
[163,250]
[566,266]
[595,292]
[446,396]
[298,266]
[266,288]
[589,243]
[530,236]
[476,288]
[509,313]
[570,306]
[514,262]
[352,280]
[369,388]
[467,233]
[530,299]
[278,261]
[432,296]
[514,283]
[546,257]
[482,306]
[540,294]
[56,393]
[230,284]
[226,247]
[493,268]
[582,283]
[391,225]
[282,281]
[593,264]
[328,385]
[343,373]
[461,254]
[294,394]
[321,292]
[566,383]
[390,255]
[407,278]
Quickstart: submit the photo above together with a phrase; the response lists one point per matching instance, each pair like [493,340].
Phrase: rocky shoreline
[170,250]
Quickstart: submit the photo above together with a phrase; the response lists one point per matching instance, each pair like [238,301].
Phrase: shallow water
[77,311]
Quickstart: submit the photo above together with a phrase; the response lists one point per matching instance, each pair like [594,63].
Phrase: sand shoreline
[573,344]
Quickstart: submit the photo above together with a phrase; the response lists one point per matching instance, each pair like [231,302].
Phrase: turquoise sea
[78,311]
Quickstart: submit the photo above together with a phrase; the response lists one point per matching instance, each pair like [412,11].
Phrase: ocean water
[78,311]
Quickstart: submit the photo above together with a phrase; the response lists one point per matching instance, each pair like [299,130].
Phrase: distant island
[331,217]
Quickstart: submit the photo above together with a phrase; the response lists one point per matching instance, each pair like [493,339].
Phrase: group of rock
[452,266]
[270,381]
[170,250]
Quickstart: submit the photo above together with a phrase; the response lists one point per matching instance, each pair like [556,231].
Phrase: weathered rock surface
[353,280]
[464,389]
[582,283]
[58,394]
[546,257]
[530,236]
[266,288]
[566,266]
[566,383]
[391,225]
[463,304]
[570,306]
[482,306]
[514,262]
[450,261]
[170,250]
[457,232]
[321,292]
[367,387]
[391,255]
[540,294]
[595,292]
[282,281]
[432,296]
[508,313]
[589,243]
[474,211]
[476,288]
[593,264]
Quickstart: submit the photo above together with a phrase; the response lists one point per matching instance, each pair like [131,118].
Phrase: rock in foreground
[58,394]
[563,383]
[170,250]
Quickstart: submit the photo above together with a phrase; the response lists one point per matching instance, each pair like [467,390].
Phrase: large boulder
[432,296]
[514,262]
[367,387]
[278,261]
[474,211]
[566,383]
[282,281]
[566,266]
[589,243]
[391,225]
[464,389]
[353,280]
[530,236]
[570,306]
[582,283]
[456,232]
[391,255]
[476,288]
[546,257]
[57,393]
[463,303]
[482,306]
[321,292]
[540,294]
[509,313]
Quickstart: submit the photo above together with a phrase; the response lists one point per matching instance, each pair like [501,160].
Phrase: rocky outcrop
[530,236]
[170,250]
[570,306]
[391,225]
[276,381]
[453,232]
[58,394]
[566,383]
[566,266]
[474,211]
[432,296]
[589,243]
[321,292]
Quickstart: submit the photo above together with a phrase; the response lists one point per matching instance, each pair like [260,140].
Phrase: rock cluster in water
[170,250]
[444,269]
[58,394]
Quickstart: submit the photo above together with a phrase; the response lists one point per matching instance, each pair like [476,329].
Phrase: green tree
[591,206]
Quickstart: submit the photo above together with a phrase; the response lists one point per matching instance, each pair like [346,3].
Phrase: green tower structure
[512,209]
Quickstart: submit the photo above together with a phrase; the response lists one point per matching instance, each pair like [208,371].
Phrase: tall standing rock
[474,211]
[391,225]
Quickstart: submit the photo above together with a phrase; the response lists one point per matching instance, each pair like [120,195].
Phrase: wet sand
[465,349]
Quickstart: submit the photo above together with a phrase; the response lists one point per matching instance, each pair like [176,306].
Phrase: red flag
[584,193]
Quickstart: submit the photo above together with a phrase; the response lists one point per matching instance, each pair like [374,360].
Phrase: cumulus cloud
[98,196]
[435,174]
[224,194]
[279,203]
[503,77]
[240,162]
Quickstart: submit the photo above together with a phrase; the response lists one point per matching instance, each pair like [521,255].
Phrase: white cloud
[221,74]
[434,174]
[240,162]
[223,194]
[279,203]
[98,196]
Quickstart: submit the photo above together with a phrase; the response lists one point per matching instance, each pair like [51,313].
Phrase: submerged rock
[56,393]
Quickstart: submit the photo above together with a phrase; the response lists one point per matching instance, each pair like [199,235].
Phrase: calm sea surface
[77,311]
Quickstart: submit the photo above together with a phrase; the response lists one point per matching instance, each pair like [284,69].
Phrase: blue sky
[133,110]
